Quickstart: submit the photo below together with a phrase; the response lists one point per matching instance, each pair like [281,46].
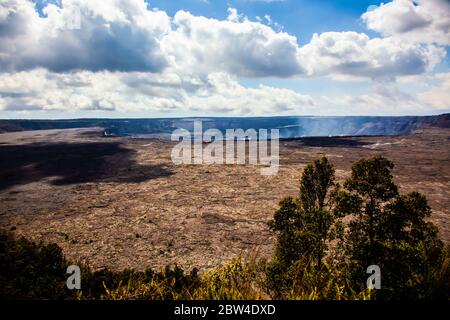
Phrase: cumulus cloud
[120,35]
[227,96]
[236,45]
[115,35]
[155,94]
[424,21]
[218,94]
[119,55]
[252,49]
[355,54]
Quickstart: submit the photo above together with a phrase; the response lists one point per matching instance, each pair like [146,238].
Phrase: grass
[38,271]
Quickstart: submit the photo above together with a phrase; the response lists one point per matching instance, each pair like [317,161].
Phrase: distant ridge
[289,126]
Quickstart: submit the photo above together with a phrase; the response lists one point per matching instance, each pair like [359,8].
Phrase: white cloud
[355,54]
[252,49]
[418,95]
[160,94]
[424,21]
[111,35]
[438,96]
[219,94]
[225,95]
[236,45]
[380,99]
[128,58]
[119,35]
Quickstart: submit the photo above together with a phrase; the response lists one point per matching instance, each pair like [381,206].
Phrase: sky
[166,58]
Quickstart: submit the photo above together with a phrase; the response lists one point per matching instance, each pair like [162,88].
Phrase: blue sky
[136,58]
[299,17]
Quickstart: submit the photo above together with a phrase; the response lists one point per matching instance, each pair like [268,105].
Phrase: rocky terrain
[119,202]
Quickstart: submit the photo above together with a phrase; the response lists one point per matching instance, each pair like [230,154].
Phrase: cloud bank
[120,55]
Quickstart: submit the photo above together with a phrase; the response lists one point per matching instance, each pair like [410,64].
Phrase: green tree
[412,254]
[317,188]
[304,225]
[389,230]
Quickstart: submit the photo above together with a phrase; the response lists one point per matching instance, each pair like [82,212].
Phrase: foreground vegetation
[326,239]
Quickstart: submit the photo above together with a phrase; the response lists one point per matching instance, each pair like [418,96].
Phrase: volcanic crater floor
[121,202]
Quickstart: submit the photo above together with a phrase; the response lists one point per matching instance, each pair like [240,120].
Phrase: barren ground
[118,202]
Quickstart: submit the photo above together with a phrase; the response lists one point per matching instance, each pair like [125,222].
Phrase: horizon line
[228,117]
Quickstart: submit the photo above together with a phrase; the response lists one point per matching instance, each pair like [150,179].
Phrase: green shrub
[31,271]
